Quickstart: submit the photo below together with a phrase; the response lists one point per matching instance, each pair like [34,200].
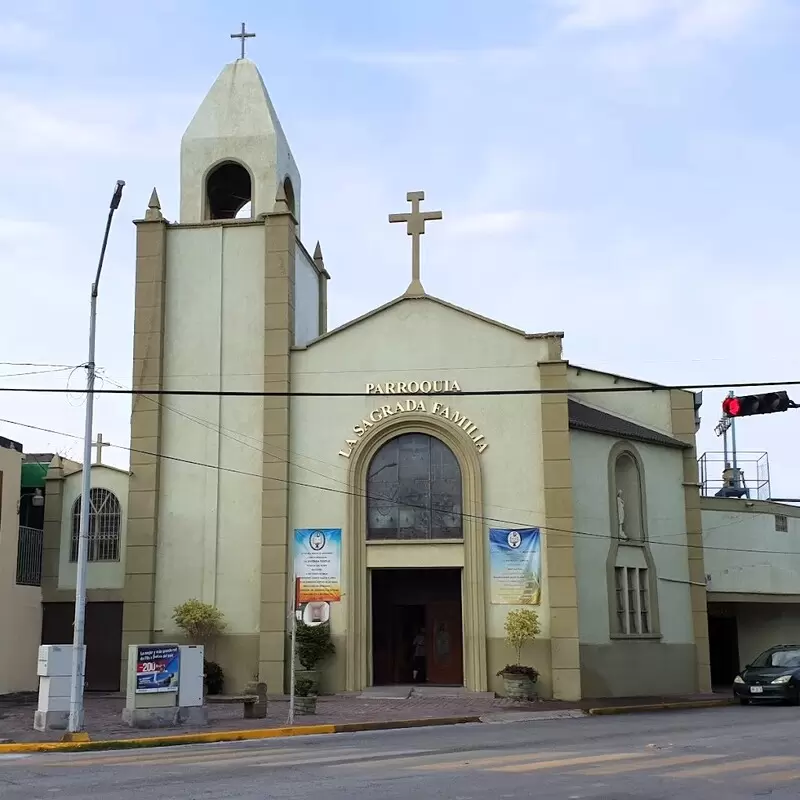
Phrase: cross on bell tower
[415,228]
[243,36]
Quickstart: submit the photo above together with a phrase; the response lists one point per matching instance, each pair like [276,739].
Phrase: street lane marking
[639,766]
[774,777]
[149,757]
[361,759]
[477,763]
[734,766]
[569,762]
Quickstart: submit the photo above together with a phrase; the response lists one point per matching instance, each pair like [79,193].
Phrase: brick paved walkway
[104,713]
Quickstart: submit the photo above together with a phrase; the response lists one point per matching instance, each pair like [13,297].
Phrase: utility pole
[76,687]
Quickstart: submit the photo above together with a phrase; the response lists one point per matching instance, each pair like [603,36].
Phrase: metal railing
[29,556]
[748,479]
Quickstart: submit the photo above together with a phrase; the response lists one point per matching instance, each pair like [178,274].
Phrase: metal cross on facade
[100,444]
[416,227]
[243,35]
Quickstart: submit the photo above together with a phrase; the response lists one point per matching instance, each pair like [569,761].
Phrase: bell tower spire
[234,154]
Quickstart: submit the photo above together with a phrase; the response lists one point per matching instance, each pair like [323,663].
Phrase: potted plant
[305,698]
[202,623]
[314,645]
[522,626]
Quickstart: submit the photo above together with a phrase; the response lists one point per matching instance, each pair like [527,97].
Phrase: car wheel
[795,701]
[744,701]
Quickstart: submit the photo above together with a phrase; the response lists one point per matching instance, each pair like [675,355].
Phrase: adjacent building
[752,562]
[20,596]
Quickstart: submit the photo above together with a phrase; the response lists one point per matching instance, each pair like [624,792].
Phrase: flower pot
[312,675]
[517,686]
[306,705]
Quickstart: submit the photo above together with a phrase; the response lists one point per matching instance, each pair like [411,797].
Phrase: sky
[625,171]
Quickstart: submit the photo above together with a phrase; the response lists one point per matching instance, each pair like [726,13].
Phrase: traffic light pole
[733,438]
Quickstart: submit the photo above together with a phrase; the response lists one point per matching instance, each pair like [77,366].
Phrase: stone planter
[312,675]
[306,705]
[518,687]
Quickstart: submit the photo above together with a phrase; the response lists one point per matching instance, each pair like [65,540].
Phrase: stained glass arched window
[414,490]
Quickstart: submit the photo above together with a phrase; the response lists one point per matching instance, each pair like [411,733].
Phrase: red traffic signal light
[731,406]
[753,404]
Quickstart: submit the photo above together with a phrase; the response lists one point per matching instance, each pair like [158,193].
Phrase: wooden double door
[102,634]
[417,627]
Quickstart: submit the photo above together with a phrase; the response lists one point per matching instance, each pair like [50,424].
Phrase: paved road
[718,754]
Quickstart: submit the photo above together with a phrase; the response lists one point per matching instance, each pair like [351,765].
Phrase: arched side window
[105,520]
[228,190]
[632,585]
[629,493]
[414,490]
[288,190]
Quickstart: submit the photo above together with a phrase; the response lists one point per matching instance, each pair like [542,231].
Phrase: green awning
[33,475]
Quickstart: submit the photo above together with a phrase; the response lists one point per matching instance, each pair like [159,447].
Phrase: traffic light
[752,404]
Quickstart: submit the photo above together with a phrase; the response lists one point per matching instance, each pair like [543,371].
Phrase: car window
[786,658]
[778,658]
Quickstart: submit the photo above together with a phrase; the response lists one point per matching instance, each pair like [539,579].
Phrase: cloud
[91,124]
[500,223]
[684,18]
[18,37]
[490,56]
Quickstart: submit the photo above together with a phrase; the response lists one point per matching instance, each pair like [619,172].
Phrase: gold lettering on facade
[413,387]
[412,404]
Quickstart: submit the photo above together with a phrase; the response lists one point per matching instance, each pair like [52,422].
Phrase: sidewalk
[104,713]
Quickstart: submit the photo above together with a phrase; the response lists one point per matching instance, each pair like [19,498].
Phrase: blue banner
[318,564]
[515,558]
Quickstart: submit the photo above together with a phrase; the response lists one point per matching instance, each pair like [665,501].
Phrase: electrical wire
[362,496]
[469,393]
[260,448]
[48,371]
[33,364]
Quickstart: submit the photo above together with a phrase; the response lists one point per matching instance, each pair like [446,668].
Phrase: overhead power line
[477,393]
[364,496]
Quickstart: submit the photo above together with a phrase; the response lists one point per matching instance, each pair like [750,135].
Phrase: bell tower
[222,295]
[235,152]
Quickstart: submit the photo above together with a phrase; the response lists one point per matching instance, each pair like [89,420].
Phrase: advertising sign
[318,564]
[516,564]
[157,667]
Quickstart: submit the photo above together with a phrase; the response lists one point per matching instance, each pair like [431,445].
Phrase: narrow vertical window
[644,602]
[630,586]
[619,580]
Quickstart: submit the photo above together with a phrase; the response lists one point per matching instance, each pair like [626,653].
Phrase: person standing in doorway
[418,658]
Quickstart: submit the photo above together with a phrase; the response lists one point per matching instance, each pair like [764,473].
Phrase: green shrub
[214,677]
[199,621]
[314,644]
[303,687]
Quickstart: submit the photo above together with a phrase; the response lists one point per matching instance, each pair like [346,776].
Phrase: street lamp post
[76,687]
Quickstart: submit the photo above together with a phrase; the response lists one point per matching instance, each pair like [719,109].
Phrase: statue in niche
[621,517]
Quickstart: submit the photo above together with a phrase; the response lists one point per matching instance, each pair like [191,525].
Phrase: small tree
[201,622]
[522,626]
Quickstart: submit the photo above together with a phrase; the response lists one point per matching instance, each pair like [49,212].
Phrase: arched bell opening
[229,190]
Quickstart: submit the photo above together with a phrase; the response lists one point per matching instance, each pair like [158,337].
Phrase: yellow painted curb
[609,710]
[80,736]
[228,736]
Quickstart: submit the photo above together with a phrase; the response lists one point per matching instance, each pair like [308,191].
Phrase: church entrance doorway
[417,627]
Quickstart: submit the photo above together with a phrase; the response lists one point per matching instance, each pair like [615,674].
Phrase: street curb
[677,706]
[231,736]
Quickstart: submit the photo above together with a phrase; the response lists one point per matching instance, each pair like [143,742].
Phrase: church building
[445,467]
